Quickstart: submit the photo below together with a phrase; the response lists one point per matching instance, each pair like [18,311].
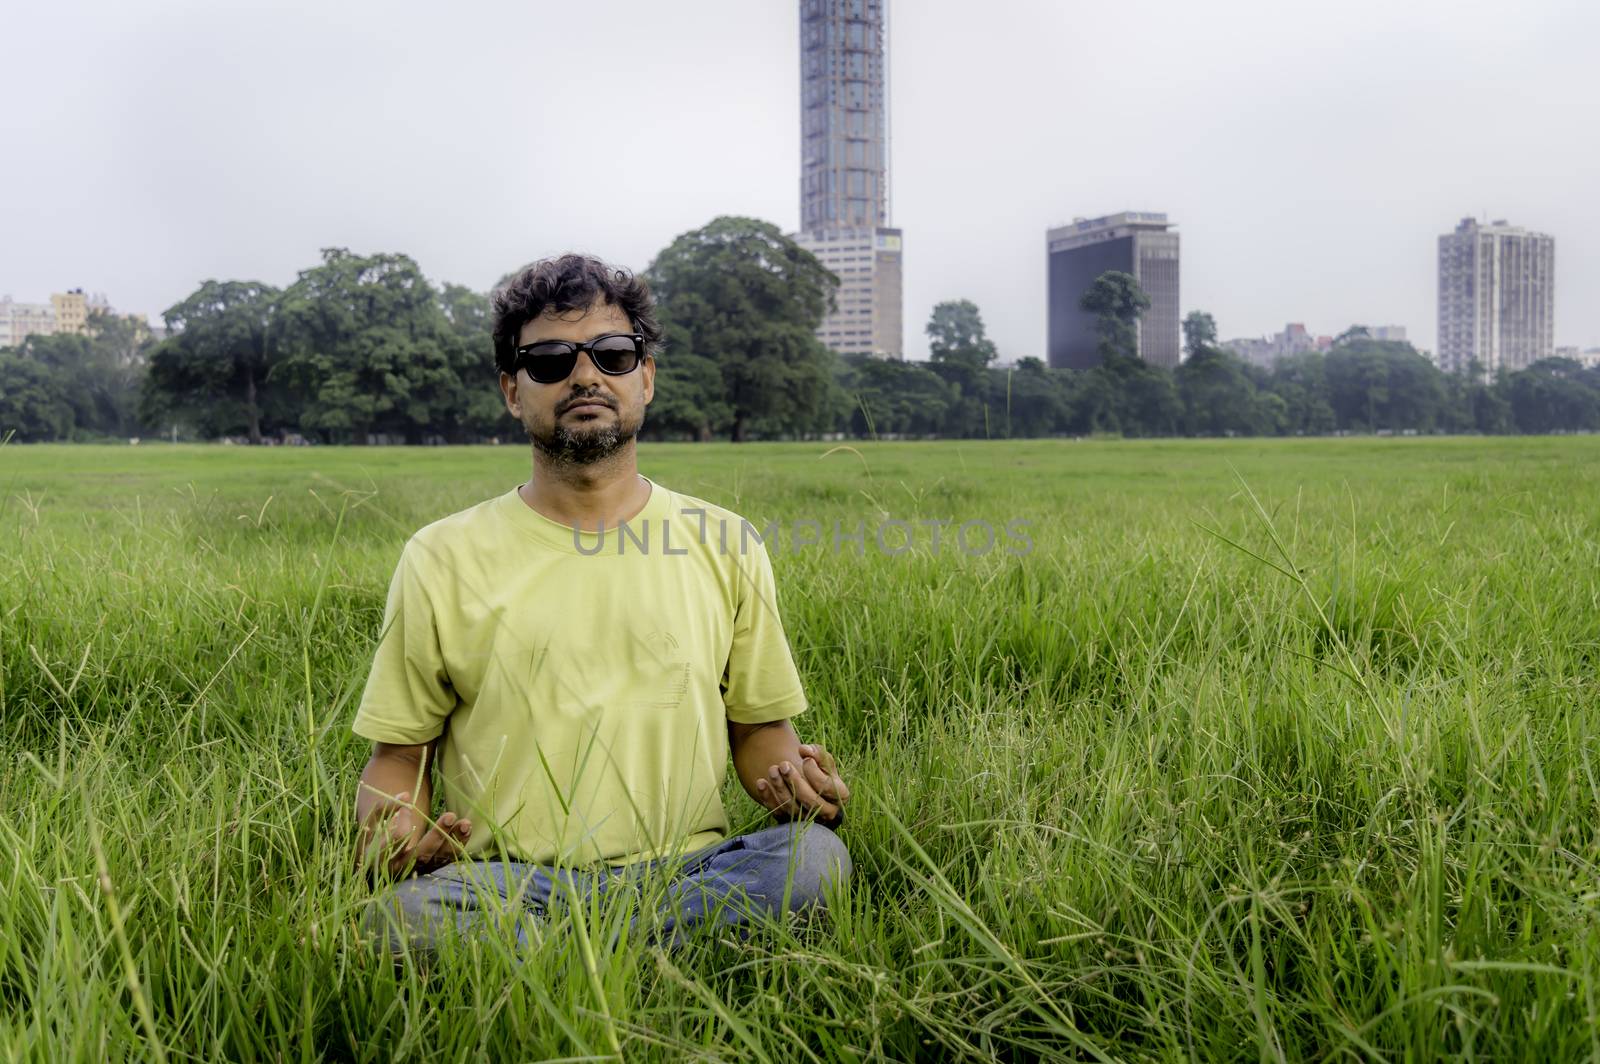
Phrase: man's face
[590,416]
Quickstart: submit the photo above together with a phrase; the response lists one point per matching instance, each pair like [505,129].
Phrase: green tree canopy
[960,352]
[1554,395]
[214,367]
[740,294]
[955,335]
[891,396]
[1218,396]
[1199,331]
[34,403]
[689,392]
[371,350]
[1116,301]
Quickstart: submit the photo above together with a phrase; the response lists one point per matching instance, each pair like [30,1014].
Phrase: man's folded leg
[786,868]
[466,898]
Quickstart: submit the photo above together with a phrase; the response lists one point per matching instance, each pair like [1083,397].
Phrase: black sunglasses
[550,361]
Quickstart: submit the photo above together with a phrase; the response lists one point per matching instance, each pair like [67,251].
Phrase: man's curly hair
[565,283]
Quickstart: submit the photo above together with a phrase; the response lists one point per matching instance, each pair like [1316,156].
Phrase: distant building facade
[1263,351]
[1141,243]
[1588,359]
[1256,350]
[71,311]
[1496,297]
[844,172]
[1296,339]
[66,314]
[868,315]
[18,321]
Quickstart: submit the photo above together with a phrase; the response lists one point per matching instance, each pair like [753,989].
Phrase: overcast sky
[1310,153]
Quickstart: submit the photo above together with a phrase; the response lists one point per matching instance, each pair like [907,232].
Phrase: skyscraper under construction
[844,172]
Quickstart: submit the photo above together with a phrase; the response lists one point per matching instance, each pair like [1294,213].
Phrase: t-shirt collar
[565,538]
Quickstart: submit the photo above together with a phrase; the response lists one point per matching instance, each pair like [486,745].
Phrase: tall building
[1136,242]
[844,172]
[1496,297]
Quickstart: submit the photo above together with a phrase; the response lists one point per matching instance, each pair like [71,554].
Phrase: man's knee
[820,860]
[404,915]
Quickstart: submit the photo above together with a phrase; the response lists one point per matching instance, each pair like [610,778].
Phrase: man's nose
[585,375]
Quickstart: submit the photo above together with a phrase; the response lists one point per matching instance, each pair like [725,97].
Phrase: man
[577,658]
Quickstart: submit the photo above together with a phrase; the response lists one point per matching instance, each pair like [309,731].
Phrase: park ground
[1257,750]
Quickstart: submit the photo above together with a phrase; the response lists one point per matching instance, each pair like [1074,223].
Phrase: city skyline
[1318,201]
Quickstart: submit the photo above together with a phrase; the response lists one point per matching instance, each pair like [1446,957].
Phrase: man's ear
[649,371]
[508,389]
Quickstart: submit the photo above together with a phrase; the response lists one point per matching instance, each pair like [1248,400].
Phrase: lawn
[1255,750]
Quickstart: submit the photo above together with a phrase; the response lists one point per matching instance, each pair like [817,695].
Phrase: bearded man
[577,659]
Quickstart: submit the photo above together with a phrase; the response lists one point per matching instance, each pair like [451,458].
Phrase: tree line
[366,349]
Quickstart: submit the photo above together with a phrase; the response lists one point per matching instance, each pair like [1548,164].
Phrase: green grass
[1192,779]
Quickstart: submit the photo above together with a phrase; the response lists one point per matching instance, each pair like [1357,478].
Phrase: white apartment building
[1496,297]
[18,321]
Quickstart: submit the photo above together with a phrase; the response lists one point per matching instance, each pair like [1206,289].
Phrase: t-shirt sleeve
[408,693]
[760,683]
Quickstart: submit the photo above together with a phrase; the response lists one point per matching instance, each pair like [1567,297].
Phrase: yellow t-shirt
[583,682]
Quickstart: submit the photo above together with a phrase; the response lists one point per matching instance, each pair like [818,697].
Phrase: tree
[955,334]
[119,347]
[1124,393]
[1351,335]
[1300,381]
[370,350]
[483,413]
[747,298]
[1381,384]
[1552,395]
[1036,402]
[1218,397]
[1147,401]
[689,392]
[214,366]
[1358,387]
[896,397]
[1417,394]
[33,400]
[1116,301]
[960,352]
[1199,332]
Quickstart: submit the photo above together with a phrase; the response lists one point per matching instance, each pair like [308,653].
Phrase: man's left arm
[761,689]
[788,777]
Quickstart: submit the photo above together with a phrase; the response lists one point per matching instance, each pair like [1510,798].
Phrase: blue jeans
[736,882]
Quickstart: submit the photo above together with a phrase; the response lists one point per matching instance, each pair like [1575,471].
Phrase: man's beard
[585,446]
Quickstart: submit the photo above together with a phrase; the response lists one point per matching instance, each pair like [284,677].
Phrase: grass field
[1328,791]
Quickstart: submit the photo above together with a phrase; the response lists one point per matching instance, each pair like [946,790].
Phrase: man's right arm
[392,804]
[404,710]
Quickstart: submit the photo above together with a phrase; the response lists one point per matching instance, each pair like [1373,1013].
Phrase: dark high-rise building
[1139,243]
[844,171]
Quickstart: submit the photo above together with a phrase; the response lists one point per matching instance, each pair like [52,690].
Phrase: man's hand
[811,788]
[399,839]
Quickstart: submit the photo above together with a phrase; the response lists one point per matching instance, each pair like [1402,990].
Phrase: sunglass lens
[616,354]
[549,368]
